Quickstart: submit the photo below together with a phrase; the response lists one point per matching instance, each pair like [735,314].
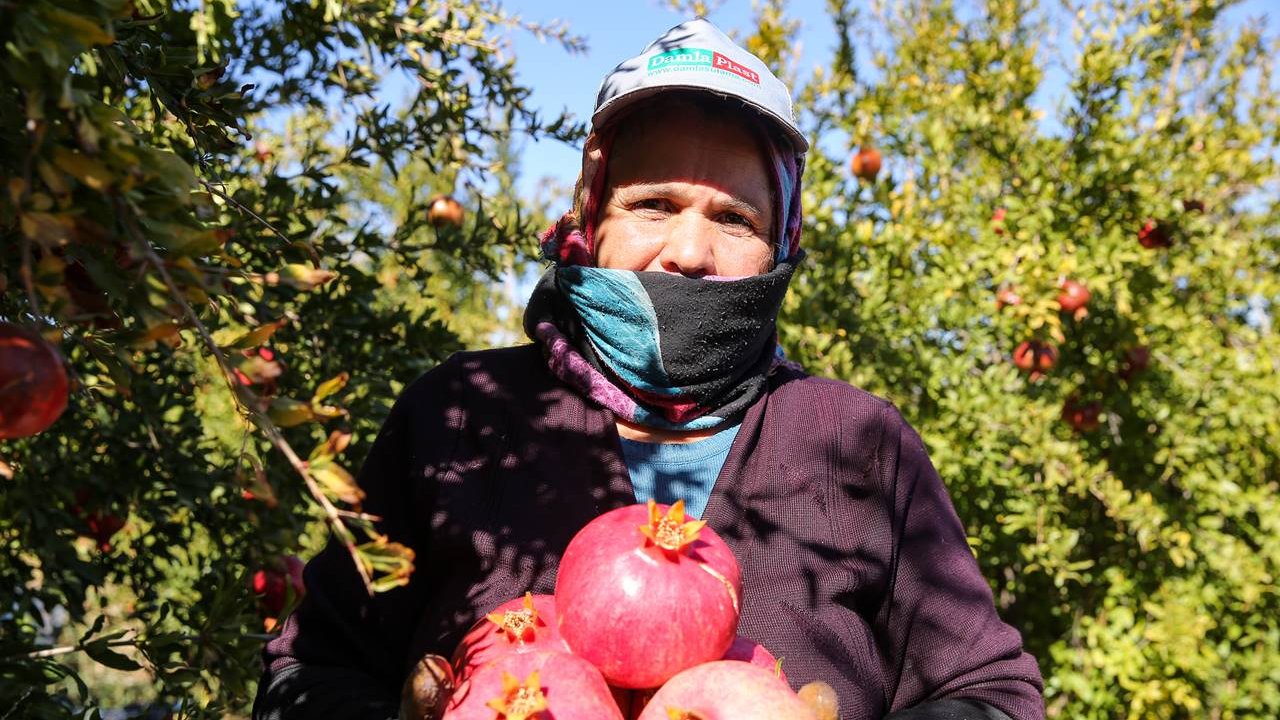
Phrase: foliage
[1139,559]
[208,209]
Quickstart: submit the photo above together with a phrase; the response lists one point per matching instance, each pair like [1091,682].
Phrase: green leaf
[104,655]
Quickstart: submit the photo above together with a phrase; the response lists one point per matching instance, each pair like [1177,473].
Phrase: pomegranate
[33,383]
[726,690]
[742,650]
[514,626]
[1154,235]
[997,220]
[1136,361]
[1034,357]
[821,699]
[745,650]
[1007,297]
[865,163]
[642,594]
[279,585]
[534,685]
[1073,296]
[1082,418]
[444,210]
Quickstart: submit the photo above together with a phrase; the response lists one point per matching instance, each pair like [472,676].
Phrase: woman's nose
[689,245]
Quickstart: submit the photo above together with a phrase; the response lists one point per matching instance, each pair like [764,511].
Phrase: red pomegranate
[865,164]
[1154,235]
[515,626]
[742,650]
[33,383]
[534,685]
[997,220]
[1073,296]
[726,690]
[1083,418]
[642,594]
[444,210]
[1034,357]
[745,650]
[278,585]
[1136,361]
[1007,297]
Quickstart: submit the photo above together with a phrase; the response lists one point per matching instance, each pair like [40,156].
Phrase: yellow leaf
[258,335]
[45,229]
[302,277]
[88,170]
[330,386]
[336,481]
[80,27]
[287,412]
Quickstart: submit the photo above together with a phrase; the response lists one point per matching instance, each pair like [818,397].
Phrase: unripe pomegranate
[534,685]
[514,626]
[1034,357]
[33,383]
[726,690]
[865,163]
[1073,297]
[1154,235]
[642,594]
[444,210]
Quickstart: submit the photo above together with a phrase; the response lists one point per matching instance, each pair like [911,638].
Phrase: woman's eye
[649,204]
[736,219]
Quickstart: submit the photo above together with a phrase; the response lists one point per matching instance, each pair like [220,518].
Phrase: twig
[68,649]
[1175,67]
[332,515]
[241,207]
[27,281]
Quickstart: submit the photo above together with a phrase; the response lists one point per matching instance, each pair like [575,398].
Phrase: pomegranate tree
[534,685]
[33,383]
[643,594]
[514,626]
[726,690]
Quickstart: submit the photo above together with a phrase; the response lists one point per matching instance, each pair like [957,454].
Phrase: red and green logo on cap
[699,59]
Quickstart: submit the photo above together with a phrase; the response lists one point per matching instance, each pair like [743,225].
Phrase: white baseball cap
[695,55]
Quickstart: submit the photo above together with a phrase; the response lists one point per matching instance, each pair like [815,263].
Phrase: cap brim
[617,104]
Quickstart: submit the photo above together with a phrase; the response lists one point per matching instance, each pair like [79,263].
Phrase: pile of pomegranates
[642,626]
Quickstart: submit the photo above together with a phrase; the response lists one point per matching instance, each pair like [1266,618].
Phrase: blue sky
[618,29]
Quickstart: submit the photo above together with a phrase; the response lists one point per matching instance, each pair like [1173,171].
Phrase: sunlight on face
[686,194]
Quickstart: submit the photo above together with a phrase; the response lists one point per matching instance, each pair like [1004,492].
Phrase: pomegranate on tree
[33,383]
[726,690]
[1136,361]
[519,625]
[865,163]
[1073,296]
[279,585]
[444,210]
[1082,417]
[534,685]
[1034,357]
[1006,296]
[997,220]
[1154,235]
[643,594]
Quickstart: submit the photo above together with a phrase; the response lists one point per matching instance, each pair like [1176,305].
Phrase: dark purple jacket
[855,567]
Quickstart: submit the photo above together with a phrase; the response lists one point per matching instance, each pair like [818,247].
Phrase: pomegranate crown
[671,532]
[517,624]
[520,701]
